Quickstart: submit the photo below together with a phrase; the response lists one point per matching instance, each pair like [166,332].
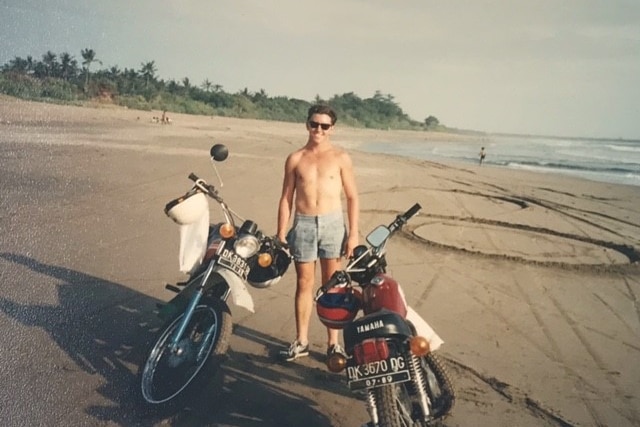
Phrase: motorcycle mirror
[378,236]
[219,152]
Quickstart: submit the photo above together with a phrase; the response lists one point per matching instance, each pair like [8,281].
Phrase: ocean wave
[621,169]
[614,175]
[626,148]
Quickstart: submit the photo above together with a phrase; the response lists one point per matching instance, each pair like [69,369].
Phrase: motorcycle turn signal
[227,230]
[265,259]
[419,346]
[336,362]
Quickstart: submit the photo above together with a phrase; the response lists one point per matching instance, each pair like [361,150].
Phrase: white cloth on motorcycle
[193,243]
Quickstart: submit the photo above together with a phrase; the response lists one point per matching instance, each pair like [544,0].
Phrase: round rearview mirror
[219,152]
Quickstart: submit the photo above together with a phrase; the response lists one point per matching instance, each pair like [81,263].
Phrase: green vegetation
[59,78]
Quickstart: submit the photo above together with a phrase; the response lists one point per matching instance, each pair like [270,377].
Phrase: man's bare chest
[318,168]
[317,172]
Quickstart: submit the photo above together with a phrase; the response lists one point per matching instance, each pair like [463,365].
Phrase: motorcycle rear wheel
[439,386]
[395,406]
[169,378]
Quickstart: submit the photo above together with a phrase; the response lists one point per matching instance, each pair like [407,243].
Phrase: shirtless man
[314,178]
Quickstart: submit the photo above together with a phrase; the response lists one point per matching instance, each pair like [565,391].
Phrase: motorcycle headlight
[247,245]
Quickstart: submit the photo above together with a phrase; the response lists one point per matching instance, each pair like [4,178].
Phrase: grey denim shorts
[313,237]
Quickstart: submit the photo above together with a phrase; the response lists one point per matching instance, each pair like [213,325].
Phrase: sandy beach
[532,280]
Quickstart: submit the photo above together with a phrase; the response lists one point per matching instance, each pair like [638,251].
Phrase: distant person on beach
[315,176]
[482,155]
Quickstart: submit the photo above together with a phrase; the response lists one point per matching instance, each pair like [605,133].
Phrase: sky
[562,68]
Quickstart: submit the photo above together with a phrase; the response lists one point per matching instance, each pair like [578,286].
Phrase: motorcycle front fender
[239,292]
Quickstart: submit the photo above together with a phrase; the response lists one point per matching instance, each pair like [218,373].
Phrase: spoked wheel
[439,386]
[395,406]
[171,373]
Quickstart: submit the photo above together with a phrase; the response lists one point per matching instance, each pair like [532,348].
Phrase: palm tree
[173,87]
[186,83]
[114,72]
[206,85]
[68,66]
[89,56]
[51,64]
[129,80]
[148,71]
[217,88]
[30,64]
[17,64]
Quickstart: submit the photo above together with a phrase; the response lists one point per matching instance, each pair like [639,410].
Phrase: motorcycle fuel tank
[384,292]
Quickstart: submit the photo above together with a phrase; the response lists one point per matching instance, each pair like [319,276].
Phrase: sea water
[604,160]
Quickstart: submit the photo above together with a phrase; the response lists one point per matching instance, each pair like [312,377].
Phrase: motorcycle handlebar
[412,211]
[277,243]
[337,278]
[204,186]
[403,218]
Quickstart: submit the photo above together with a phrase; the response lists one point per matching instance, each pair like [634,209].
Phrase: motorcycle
[390,350]
[221,259]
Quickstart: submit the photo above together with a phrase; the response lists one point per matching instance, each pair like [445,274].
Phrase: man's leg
[306,272]
[328,266]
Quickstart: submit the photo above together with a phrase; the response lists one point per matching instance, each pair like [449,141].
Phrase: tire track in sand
[601,365]
[632,296]
[552,355]
[557,350]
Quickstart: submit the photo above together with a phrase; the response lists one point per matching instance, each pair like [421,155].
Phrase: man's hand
[352,242]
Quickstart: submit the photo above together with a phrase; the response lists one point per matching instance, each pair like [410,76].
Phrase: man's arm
[286,199]
[353,203]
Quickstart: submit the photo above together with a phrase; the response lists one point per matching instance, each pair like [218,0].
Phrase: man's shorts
[313,237]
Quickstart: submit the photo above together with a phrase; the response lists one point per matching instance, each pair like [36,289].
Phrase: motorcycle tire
[168,379]
[439,386]
[395,406]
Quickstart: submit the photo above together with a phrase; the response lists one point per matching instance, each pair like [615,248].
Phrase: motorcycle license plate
[234,262]
[374,374]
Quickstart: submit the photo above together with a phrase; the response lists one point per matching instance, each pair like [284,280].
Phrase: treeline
[61,78]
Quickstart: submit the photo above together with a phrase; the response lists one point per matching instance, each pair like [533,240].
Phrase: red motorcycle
[390,349]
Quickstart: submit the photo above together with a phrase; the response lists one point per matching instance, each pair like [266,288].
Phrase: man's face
[319,126]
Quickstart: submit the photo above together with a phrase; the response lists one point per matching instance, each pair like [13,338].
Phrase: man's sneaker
[336,349]
[296,350]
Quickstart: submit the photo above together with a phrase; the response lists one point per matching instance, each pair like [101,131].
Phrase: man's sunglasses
[314,125]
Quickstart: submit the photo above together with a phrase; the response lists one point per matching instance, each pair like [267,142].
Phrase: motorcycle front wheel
[170,375]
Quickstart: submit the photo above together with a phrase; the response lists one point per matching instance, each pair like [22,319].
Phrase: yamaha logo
[370,326]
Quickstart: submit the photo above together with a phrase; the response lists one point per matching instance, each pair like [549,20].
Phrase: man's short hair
[322,109]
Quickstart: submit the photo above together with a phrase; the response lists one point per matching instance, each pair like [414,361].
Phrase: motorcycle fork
[191,308]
